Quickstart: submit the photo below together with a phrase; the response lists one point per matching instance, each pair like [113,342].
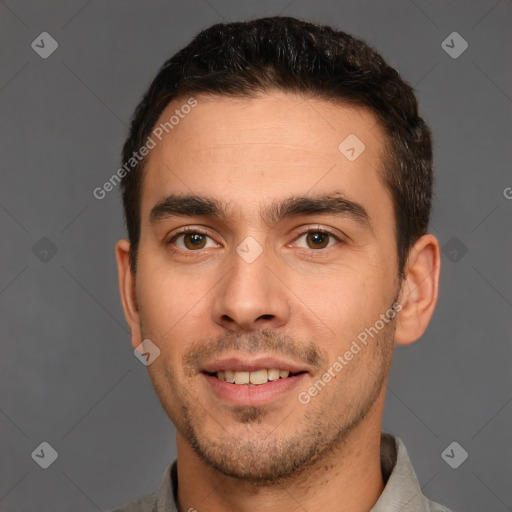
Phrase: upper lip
[251,364]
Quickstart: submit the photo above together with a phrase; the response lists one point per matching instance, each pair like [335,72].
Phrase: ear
[419,290]
[127,290]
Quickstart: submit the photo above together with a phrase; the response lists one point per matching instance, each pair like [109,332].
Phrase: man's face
[264,280]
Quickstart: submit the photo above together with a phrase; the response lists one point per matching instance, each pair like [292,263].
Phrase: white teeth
[259,377]
[273,374]
[256,378]
[241,377]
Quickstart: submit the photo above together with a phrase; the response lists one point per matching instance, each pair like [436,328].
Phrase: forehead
[246,149]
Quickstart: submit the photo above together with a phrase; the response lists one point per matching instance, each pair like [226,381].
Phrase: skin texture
[304,299]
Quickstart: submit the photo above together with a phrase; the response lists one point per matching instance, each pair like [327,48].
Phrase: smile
[254,378]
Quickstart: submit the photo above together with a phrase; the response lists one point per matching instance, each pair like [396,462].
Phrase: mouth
[253,378]
[244,381]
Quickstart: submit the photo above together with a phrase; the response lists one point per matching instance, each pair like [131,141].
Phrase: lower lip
[246,395]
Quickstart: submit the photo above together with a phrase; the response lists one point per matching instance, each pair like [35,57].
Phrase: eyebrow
[191,205]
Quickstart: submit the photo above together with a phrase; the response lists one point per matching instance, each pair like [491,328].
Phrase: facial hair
[263,454]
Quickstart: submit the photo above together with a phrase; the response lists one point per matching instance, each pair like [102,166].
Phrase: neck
[348,478]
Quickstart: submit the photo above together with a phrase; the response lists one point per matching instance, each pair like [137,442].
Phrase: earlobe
[419,290]
[127,290]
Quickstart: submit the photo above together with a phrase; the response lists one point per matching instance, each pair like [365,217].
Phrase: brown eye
[194,240]
[317,240]
[189,241]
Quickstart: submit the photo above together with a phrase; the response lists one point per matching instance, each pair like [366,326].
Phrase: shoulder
[402,491]
[437,507]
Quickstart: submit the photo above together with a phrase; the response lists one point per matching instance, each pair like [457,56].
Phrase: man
[277,191]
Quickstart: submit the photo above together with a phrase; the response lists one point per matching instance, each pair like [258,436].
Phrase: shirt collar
[402,490]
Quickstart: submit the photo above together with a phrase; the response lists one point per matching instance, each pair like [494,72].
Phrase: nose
[251,296]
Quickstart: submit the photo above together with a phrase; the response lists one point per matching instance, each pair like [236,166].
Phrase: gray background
[68,375]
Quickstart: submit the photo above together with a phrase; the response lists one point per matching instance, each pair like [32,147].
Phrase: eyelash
[184,231]
[199,231]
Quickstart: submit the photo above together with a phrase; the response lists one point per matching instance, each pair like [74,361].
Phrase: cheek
[164,296]
[347,302]
[175,306]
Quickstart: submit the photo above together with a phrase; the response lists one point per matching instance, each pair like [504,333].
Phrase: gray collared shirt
[402,492]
